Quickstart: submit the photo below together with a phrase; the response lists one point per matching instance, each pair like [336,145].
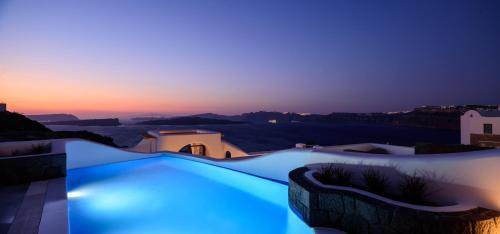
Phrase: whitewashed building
[196,142]
[481,128]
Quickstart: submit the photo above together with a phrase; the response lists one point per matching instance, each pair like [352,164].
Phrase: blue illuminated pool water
[172,195]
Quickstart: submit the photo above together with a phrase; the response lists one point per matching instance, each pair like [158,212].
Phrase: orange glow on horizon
[46,92]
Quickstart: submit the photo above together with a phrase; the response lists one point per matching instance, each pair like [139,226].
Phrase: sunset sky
[104,58]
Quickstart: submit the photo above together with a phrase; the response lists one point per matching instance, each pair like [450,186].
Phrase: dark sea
[266,136]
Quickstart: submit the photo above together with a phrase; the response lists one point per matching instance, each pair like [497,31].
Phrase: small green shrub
[325,174]
[414,189]
[341,176]
[375,181]
[334,175]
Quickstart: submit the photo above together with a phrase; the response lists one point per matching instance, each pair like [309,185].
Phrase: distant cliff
[439,117]
[444,120]
[17,127]
[187,121]
[237,118]
[87,122]
[52,117]
[417,118]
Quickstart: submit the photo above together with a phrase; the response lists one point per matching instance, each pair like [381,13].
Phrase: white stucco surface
[175,140]
[469,178]
[81,153]
[236,152]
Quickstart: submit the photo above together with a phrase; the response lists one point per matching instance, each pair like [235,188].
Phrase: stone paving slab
[30,212]
[43,209]
[11,198]
[55,211]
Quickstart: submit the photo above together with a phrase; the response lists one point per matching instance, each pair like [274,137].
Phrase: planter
[357,211]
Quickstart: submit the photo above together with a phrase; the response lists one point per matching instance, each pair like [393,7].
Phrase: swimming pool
[174,195]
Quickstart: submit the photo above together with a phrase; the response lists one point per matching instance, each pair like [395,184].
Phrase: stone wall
[356,213]
[24,169]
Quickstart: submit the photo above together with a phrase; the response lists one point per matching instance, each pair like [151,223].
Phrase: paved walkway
[11,198]
[40,207]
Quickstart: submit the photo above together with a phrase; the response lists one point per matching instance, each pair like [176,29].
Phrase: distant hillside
[52,117]
[187,121]
[416,118]
[17,127]
[88,122]
[444,120]
[439,117]
[145,118]
[217,116]
[11,121]
[265,116]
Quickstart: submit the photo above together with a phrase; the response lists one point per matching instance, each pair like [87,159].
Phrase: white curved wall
[236,152]
[475,174]
[80,153]
[146,145]
[175,142]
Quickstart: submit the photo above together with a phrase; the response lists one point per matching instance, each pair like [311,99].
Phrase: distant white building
[196,142]
[3,107]
[481,128]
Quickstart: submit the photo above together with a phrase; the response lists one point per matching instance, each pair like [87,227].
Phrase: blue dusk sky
[232,56]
